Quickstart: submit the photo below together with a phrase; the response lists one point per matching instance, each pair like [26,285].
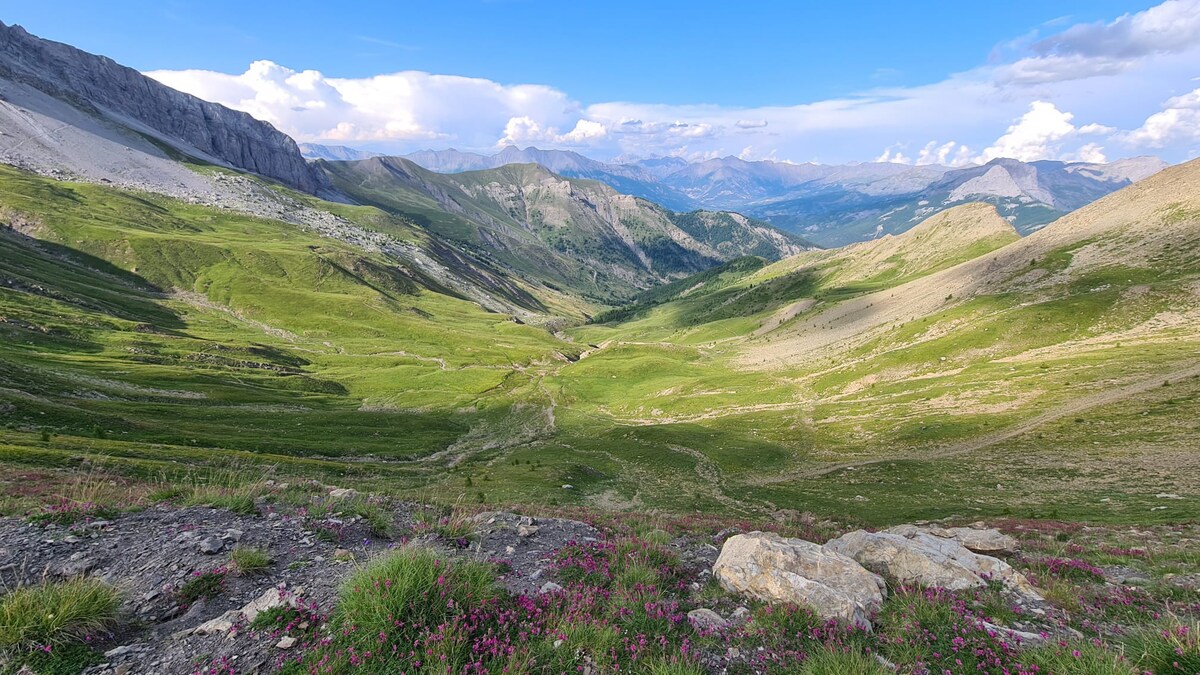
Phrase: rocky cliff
[100,85]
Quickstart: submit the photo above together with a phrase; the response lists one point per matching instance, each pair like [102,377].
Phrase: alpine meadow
[359,367]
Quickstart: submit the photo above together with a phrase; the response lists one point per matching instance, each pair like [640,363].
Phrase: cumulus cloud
[893,155]
[1015,107]
[1089,152]
[1034,136]
[1179,120]
[396,108]
[526,131]
[950,153]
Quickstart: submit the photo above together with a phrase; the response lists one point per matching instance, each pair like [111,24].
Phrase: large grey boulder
[917,557]
[988,541]
[768,567]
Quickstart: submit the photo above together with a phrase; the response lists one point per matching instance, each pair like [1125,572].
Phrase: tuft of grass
[416,583]
[250,561]
[68,512]
[1172,647]
[1076,658]
[378,519]
[673,667]
[451,524]
[52,614]
[840,661]
[411,596]
[203,585]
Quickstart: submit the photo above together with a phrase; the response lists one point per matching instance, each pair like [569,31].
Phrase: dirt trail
[710,474]
[1073,407]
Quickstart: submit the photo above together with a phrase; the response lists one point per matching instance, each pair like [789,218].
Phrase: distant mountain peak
[340,153]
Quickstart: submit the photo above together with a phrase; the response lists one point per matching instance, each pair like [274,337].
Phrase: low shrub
[206,584]
[250,561]
[52,614]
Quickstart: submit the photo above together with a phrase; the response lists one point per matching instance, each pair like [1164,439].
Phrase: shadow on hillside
[67,275]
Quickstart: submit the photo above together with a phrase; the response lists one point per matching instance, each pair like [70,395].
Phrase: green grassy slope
[142,318]
[742,298]
[191,338]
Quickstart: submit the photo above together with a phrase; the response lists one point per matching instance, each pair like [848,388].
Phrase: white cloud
[525,131]
[1099,49]
[1034,136]
[1179,120]
[1090,152]
[398,108]
[1111,74]
[894,156]
[752,154]
[949,153]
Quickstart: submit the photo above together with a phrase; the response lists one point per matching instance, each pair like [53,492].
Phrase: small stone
[72,539]
[77,566]
[509,550]
[550,587]
[558,643]
[705,619]
[232,535]
[526,530]
[343,493]
[568,486]
[285,642]
[220,625]
[118,651]
[211,545]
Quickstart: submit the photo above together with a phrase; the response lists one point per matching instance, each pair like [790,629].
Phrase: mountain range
[833,205]
[511,240]
[181,291]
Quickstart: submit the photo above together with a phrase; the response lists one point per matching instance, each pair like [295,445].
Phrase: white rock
[923,559]
[768,567]
[220,625]
[989,541]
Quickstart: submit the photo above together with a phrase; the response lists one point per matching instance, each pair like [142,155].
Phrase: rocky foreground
[273,587]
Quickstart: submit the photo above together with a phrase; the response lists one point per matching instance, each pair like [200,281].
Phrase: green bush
[250,561]
[54,614]
[415,583]
[207,585]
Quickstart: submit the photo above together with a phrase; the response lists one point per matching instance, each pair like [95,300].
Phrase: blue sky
[793,81]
